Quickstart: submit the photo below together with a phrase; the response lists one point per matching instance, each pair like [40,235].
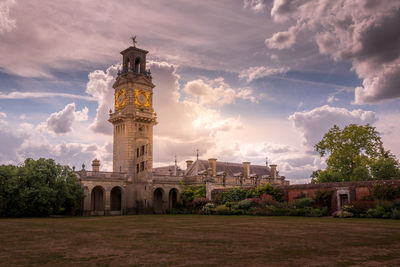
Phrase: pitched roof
[231,169]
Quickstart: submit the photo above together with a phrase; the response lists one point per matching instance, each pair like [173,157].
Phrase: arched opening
[173,198]
[116,197]
[157,200]
[98,198]
[126,65]
[137,65]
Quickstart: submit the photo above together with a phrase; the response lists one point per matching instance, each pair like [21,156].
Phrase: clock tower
[133,117]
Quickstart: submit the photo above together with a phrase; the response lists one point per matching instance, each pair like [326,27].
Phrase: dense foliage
[39,188]
[190,193]
[354,153]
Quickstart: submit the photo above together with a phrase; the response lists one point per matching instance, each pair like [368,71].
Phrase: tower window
[137,168]
[141,150]
[137,152]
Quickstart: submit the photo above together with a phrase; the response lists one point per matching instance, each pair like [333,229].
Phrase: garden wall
[354,190]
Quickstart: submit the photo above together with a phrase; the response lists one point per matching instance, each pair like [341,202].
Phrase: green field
[185,240]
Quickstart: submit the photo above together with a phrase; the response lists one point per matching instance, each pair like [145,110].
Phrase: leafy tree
[39,188]
[354,153]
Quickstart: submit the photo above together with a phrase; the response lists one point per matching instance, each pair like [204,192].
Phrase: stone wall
[353,190]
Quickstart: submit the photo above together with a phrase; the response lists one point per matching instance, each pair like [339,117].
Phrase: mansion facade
[134,186]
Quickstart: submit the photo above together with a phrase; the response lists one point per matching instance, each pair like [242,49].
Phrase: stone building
[134,186]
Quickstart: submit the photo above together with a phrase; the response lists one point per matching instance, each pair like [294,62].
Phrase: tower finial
[266,161]
[197,154]
[133,38]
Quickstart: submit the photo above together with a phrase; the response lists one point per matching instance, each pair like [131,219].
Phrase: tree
[354,153]
[39,188]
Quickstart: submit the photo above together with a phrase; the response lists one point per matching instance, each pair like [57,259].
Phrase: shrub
[189,193]
[362,206]
[245,204]
[198,203]
[275,192]
[304,202]
[376,213]
[385,204]
[346,214]
[323,198]
[384,192]
[302,195]
[232,195]
[231,205]
[266,199]
[222,210]
[208,209]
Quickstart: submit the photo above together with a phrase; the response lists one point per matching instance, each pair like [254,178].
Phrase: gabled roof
[231,169]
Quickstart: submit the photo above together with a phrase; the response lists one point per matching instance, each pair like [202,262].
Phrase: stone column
[107,206]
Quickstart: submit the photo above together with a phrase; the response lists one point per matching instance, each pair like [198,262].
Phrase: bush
[189,193]
[376,213]
[198,203]
[384,192]
[222,210]
[266,199]
[245,204]
[208,209]
[385,204]
[275,192]
[346,214]
[362,206]
[232,195]
[304,202]
[323,198]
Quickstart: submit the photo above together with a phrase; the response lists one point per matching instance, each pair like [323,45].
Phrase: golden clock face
[142,98]
[120,98]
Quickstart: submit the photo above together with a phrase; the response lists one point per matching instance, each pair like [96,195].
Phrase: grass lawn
[180,240]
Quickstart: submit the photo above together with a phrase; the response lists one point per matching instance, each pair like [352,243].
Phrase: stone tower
[133,117]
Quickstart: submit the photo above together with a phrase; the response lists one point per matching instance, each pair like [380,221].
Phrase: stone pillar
[107,206]
[246,170]
[213,165]
[188,164]
[273,171]
[96,165]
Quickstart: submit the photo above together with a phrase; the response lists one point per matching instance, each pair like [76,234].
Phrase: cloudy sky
[238,80]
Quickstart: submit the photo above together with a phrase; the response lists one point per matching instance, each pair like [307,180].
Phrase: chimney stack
[273,171]
[188,164]
[246,170]
[212,163]
[96,165]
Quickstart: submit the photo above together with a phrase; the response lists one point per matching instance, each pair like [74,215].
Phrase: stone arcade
[134,186]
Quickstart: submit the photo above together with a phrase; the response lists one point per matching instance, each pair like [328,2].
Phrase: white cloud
[365,32]
[315,123]
[61,122]
[215,92]
[282,40]
[254,73]
[255,5]
[100,88]
[3,115]
[7,24]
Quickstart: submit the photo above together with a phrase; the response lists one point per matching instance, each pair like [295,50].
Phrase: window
[141,150]
[137,168]
[142,166]
[137,152]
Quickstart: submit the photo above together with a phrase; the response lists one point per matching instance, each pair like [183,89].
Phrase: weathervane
[134,40]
